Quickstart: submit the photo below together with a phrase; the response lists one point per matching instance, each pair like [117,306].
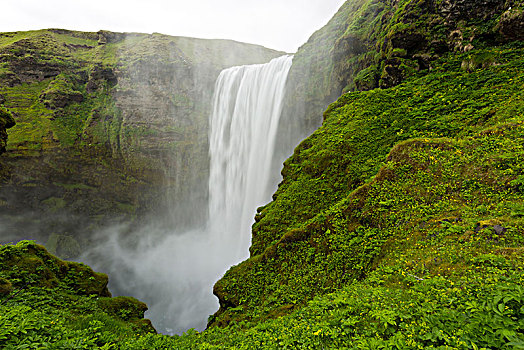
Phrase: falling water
[246,110]
[175,274]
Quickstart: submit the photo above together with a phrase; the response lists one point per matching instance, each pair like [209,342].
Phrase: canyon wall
[109,127]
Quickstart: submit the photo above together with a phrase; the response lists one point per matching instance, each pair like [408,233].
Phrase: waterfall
[174,272]
[246,110]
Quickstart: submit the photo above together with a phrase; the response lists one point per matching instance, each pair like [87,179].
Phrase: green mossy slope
[344,202]
[48,303]
[380,43]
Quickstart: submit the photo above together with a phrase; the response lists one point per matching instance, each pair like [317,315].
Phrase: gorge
[397,222]
[174,271]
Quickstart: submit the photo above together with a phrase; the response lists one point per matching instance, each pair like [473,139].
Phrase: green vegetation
[399,224]
[47,303]
[381,43]
[454,144]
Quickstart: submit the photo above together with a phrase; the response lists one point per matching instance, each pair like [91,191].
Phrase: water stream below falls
[174,272]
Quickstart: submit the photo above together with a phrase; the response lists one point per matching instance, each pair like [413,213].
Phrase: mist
[173,272]
[173,267]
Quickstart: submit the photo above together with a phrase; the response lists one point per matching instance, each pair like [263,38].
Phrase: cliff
[342,204]
[379,43]
[399,222]
[109,127]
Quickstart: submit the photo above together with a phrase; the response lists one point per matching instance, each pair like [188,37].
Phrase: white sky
[277,24]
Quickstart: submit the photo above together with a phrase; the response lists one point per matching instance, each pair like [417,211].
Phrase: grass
[398,224]
[420,248]
[384,164]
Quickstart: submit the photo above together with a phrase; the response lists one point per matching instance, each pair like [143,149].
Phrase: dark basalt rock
[61,99]
[6,121]
[511,25]
[99,77]
[409,40]
[457,10]
[28,69]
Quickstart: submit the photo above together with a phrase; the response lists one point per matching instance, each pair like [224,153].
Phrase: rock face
[511,24]
[318,234]
[379,43]
[110,126]
[6,121]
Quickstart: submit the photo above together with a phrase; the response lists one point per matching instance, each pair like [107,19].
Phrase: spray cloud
[174,271]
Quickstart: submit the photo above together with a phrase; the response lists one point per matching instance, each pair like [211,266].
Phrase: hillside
[379,43]
[425,252]
[399,222]
[352,189]
[310,239]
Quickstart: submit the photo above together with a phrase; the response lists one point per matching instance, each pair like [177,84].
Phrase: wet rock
[511,25]
[499,230]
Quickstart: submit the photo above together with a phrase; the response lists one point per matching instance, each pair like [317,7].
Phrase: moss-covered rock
[60,93]
[110,127]
[68,299]
[126,308]
[388,165]
[30,264]
[6,121]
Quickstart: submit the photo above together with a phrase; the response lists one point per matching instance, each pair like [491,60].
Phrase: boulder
[511,24]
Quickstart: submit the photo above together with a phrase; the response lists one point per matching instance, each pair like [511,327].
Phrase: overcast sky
[277,24]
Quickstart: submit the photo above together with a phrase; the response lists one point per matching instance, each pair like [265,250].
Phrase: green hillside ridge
[379,43]
[315,236]
[421,248]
